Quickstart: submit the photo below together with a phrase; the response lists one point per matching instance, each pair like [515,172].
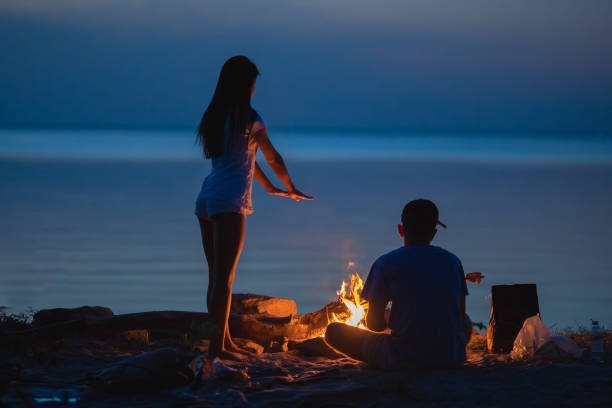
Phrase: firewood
[265,329]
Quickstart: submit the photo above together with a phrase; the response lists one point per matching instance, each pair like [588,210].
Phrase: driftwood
[260,328]
[264,329]
[57,315]
[164,320]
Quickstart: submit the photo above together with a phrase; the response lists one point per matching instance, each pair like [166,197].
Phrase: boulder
[278,346]
[202,328]
[53,316]
[135,337]
[9,371]
[146,372]
[248,303]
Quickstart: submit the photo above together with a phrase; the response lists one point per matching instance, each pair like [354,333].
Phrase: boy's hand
[475,277]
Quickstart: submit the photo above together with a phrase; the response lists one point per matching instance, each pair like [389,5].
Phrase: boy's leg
[349,340]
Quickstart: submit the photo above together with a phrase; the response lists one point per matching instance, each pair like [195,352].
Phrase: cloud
[426,63]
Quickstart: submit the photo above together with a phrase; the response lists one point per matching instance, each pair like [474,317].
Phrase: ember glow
[351,297]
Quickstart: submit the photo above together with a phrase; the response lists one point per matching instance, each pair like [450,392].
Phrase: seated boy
[426,285]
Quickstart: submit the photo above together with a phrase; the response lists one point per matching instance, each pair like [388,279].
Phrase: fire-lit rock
[278,346]
[248,303]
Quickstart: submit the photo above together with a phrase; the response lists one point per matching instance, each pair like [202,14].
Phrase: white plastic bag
[532,335]
[559,347]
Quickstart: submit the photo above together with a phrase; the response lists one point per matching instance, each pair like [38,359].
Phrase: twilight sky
[428,65]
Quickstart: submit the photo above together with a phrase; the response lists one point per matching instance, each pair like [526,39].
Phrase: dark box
[510,306]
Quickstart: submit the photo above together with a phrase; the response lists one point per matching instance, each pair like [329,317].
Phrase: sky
[402,65]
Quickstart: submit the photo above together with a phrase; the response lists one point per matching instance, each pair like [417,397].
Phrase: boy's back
[426,286]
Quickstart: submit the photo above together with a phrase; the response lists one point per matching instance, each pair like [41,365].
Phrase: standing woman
[230,132]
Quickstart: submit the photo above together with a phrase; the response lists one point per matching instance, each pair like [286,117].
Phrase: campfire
[357,307]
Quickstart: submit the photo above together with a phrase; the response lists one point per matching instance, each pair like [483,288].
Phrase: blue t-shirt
[426,285]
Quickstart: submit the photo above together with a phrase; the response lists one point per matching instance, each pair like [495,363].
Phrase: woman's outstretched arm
[261,177]
[276,162]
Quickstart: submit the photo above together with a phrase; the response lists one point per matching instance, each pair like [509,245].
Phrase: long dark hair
[232,99]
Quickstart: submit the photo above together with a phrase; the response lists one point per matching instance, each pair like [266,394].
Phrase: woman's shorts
[206,207]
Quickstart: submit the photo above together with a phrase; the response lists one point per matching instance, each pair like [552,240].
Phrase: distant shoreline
[302,145]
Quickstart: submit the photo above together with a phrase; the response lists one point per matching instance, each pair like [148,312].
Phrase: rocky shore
[164,366]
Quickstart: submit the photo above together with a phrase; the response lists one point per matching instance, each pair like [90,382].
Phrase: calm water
[100,218]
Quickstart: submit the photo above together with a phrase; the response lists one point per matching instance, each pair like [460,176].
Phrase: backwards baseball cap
[420,215]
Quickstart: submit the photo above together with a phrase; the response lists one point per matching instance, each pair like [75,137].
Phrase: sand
[61,373]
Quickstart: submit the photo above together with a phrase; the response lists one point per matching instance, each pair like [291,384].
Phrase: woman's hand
[276,162]
[277,192]
[297,195]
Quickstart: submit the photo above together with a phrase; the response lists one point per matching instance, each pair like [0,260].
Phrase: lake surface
[106,218]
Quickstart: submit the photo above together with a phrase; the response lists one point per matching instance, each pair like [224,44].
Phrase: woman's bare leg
[208,243]
[228,241]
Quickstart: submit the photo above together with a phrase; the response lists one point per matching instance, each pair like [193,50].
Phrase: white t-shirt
[231,177]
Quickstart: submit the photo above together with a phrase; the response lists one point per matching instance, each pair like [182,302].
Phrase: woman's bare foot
[233,347]
[227,355]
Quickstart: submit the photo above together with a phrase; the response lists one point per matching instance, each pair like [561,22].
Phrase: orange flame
[352,300]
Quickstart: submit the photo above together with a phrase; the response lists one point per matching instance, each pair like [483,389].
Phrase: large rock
[163,368]
[135,337]
[248,303]
[51,316]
